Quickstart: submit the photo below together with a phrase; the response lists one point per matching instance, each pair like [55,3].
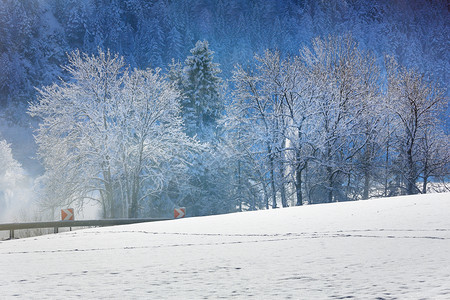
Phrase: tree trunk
[386,170]
[108,193]
[239,186]
[329,168]
[134,204]
[272,177]
[366,166]
[330,185]
[104,207]
[266,196]
[298,186]
[298,171]
[133,210]
[425,182]
[282,187]
[425,177]
[366,184]
[411,176]
[283,195]
[272,184]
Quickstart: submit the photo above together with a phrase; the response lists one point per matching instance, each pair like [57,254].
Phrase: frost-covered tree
[157,149]
[11,173]
[174,41]
[245,147]
[434,157]
[75,135]
[416,104]
[109,134]
[343,84]
[257,98]
[202,104]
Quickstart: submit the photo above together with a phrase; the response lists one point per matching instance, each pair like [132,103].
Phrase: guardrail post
[56,229]
[11,234]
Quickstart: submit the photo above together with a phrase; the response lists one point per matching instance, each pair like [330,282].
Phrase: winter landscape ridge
[391,248]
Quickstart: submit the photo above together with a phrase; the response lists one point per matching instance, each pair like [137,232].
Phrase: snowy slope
[396,248]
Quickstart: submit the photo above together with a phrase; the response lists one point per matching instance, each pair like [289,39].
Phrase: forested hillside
[35,35]
[255,104]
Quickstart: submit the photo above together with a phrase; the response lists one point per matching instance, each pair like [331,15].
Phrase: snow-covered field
[396,248]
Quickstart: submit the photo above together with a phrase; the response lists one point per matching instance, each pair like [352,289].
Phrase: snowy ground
[396,248]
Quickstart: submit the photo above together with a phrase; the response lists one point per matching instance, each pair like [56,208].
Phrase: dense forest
[222,106]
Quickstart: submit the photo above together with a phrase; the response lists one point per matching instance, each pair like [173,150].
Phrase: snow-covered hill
[395,248]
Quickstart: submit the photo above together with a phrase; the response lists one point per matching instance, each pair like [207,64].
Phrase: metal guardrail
[79,223]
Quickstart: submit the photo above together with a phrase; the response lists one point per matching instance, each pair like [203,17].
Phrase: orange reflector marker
[67,214]
[179,212]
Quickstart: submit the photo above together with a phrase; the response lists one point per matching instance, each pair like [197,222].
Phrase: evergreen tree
[201,108]
[175,41]
[202,104]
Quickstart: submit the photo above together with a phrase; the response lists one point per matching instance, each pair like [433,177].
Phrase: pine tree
[202,104]
[175,42]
